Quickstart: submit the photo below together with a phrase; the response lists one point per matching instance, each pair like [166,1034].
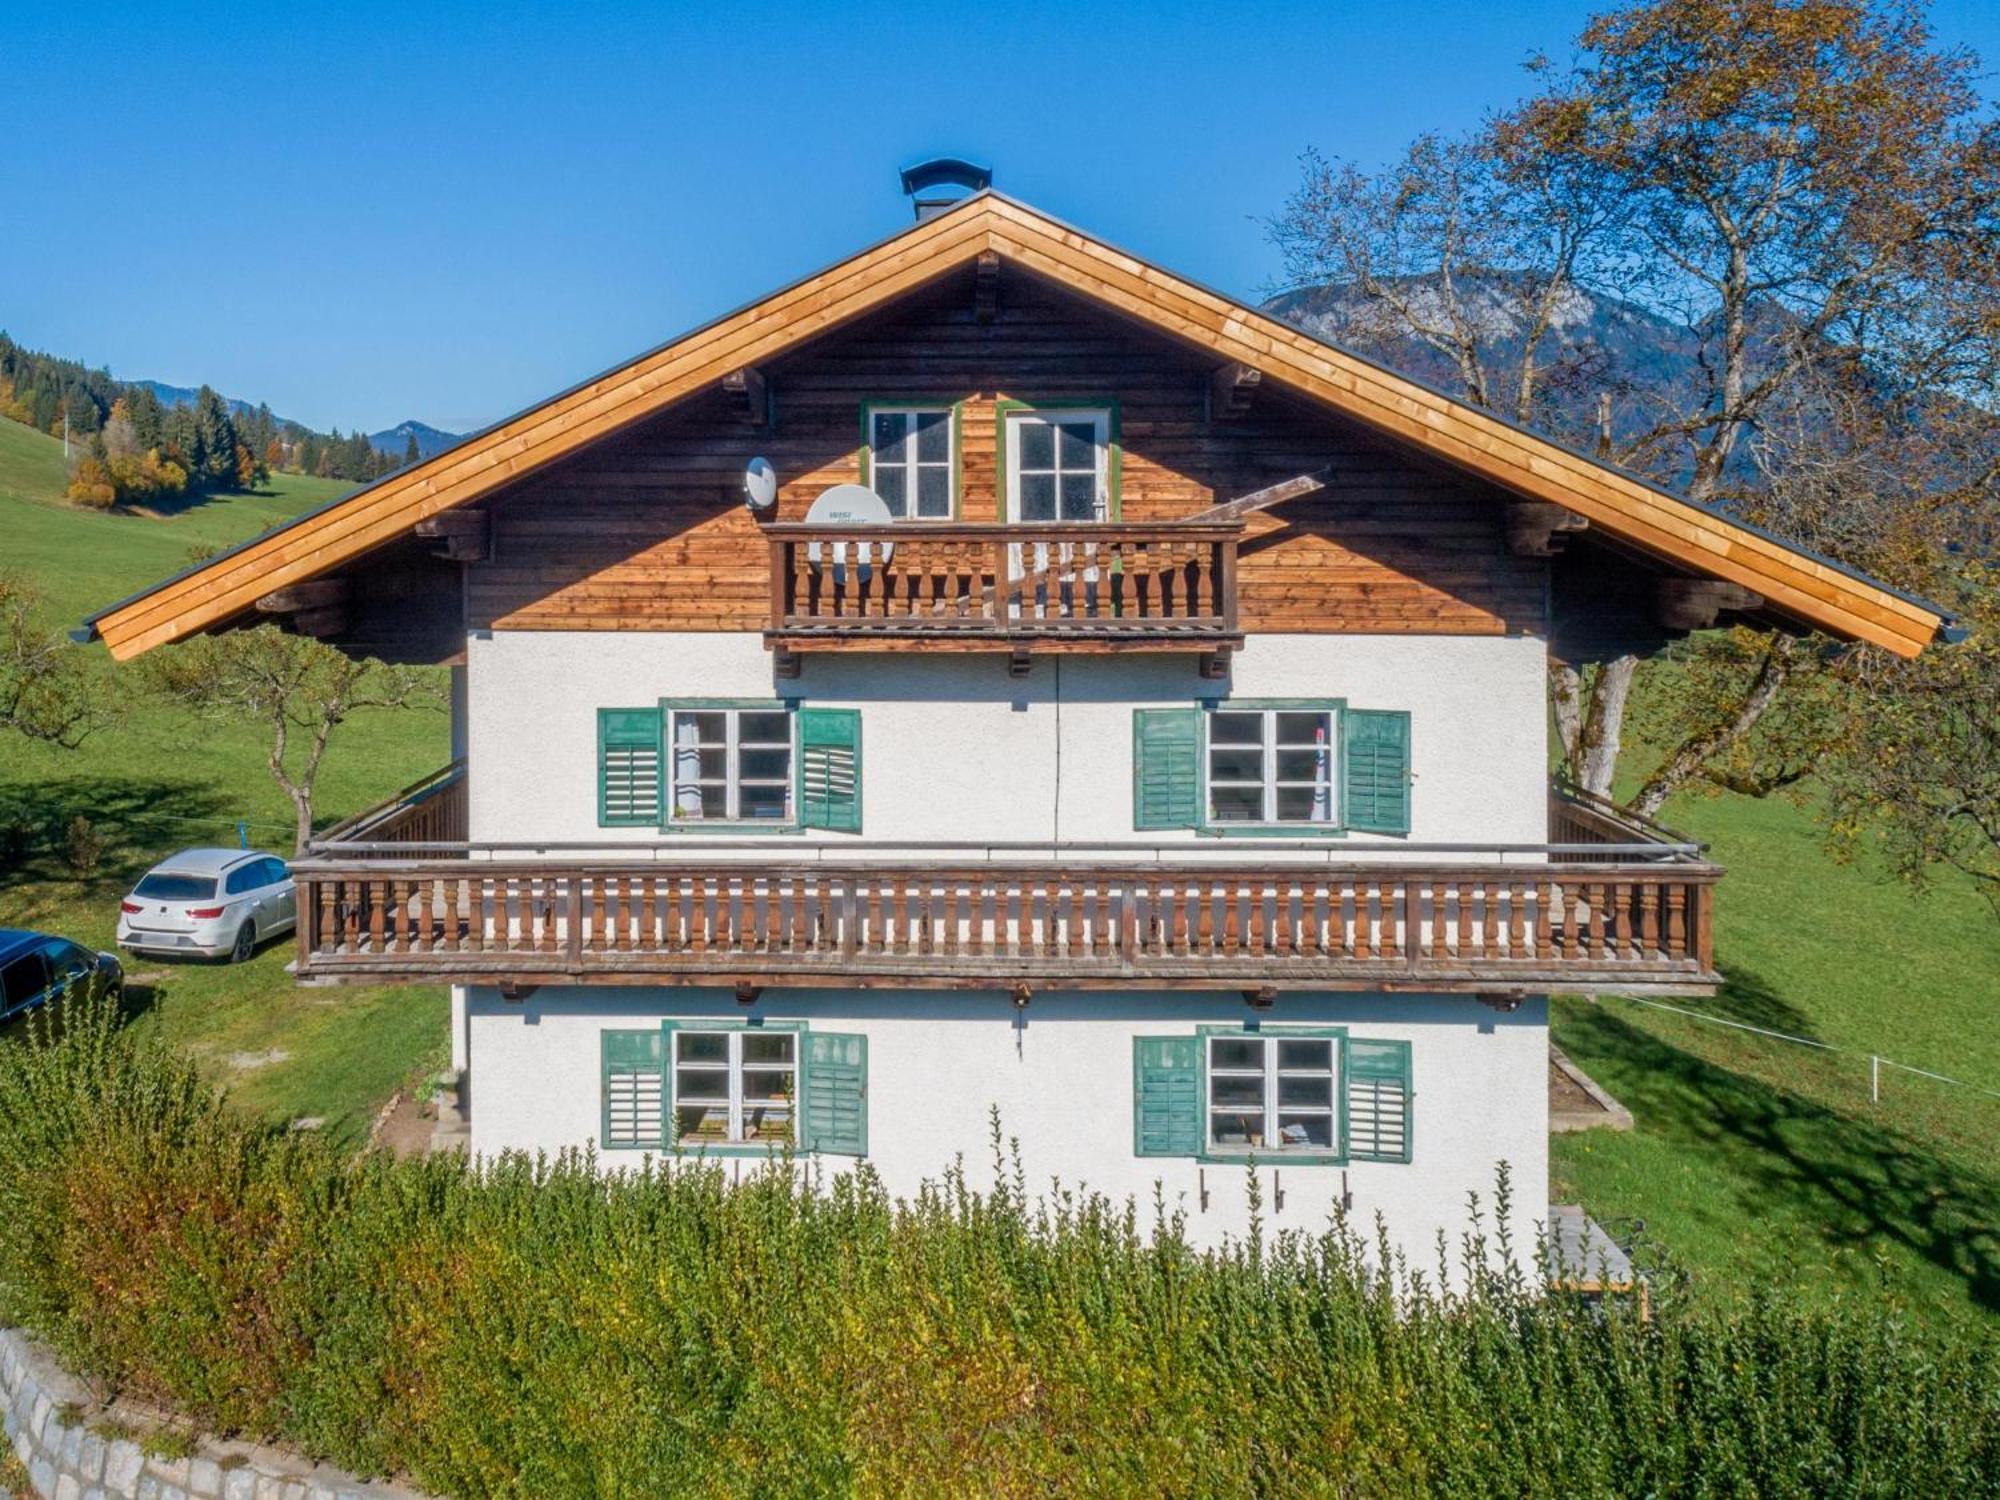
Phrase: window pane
[765,727]
[1233,1089]
[701,1123]
[765,802]
[1302,729]
[767,1085]
[1236,729]
[708,728]
[1306,1132]
[701,1085]
[1236,804]
[768,1125]
[768,1047]
[1236,1052]
[700,801]
[1038,445]
[1305,765]
[1236,765]
[767,765]
[701,1047]
[1305,1053]
[934,491]
[890,427]
[933,436]
[175,888]
[892,485]
[1079,497]
[1305,1091]
[1304,804]
[1079,445]
[1237,1128]
[1038,497]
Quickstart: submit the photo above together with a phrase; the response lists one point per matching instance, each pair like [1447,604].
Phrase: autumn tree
[300,689]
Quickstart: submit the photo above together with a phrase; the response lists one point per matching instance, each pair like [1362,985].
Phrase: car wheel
[246,944]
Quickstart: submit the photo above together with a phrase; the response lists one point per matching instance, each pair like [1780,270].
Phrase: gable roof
[1811,589]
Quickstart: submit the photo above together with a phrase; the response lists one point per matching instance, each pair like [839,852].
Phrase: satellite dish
[850,505]
[760,485]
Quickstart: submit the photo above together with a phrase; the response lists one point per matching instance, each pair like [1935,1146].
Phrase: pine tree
[411,453]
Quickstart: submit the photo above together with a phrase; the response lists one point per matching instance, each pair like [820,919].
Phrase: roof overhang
[1798,585]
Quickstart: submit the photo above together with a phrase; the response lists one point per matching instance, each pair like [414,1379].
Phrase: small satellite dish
[760,486]
[850,505]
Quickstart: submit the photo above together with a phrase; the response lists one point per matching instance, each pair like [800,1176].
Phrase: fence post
[1874,1079]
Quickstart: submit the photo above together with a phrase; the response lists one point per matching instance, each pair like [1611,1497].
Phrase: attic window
[912,460]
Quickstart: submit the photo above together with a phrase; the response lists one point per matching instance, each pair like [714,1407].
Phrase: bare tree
[45,692]
[299,688]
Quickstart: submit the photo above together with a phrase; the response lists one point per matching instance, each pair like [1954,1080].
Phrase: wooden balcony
[1021,589]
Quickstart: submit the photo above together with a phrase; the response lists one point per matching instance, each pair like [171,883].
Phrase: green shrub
[535,1329]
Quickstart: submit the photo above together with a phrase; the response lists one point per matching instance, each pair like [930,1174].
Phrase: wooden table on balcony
[1000,587]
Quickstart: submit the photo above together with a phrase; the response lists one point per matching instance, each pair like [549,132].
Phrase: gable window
[731,764]
[910,460]
[1272,765]
[736,1087]
[1059,464]
[1272,1094]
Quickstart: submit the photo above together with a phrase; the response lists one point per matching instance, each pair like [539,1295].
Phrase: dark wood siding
[647,530]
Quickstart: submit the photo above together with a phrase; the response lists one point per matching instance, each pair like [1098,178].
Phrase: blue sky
[448,212]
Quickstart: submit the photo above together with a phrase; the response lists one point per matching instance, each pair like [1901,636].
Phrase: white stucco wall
[954,748]
[1060,1074]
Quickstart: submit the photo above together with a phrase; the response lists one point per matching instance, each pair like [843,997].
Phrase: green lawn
[158,779]
[1757,1161]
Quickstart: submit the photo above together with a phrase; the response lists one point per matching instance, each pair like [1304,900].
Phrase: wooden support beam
[747,993]
[1215,664]
[1261,998]
[986,287]
[785,662]
[1232,390]
[749,394]
[515,991]
[1535,527]
[1693,603]
[314,593]
[1023,993]
[1019,662]
[467,535]
[1504,1001]
[321,623]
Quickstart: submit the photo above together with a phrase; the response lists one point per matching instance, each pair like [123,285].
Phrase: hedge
[536,1328]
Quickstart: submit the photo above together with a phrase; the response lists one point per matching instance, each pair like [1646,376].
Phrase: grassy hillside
[1761,1162]
[158,779]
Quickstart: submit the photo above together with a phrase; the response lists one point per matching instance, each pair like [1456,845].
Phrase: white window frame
[1269,747]
[734,1067]
[910,464]
[1055,416]
[1272,1109]
[733,780]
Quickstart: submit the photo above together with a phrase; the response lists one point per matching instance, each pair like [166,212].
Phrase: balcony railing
[1046,587]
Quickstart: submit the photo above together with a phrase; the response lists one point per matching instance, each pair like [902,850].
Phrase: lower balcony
[1618,909]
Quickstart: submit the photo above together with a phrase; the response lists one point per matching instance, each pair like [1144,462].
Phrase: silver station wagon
[209,902]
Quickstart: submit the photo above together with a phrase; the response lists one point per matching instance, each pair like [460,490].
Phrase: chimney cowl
[943,171]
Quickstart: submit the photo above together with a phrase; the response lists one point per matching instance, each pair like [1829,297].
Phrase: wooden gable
[993,240]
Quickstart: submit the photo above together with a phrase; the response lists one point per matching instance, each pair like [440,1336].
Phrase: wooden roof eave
[1796,584]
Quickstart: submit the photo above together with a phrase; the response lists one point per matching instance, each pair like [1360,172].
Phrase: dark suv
[35,967]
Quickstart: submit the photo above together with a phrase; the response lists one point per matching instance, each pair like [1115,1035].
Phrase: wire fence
[1876,1062]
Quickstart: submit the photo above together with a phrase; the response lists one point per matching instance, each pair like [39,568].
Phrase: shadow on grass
[139,819]
[1749,997]
[1859,1183]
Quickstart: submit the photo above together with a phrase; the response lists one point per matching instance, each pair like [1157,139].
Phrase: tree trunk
[302,809]
[1566,694]
[1686,762]
[1604,725]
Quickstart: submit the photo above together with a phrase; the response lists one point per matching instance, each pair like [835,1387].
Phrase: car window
[276,871]
[244,878]
[66,957]
[163,885]
[22,980]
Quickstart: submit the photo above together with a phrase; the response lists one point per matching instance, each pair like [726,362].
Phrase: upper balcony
[1015,588]
[1609,904]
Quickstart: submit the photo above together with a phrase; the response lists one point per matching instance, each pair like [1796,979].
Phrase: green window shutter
[1378,1100]
[634,1107]
[1166,767]
[628,767]
[1375,760]
[830,768]
[836,1106]
[1166,1096]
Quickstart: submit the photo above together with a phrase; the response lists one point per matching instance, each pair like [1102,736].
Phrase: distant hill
[184,395]
[395,440]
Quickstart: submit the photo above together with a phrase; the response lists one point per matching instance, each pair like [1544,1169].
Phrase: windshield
[163,886]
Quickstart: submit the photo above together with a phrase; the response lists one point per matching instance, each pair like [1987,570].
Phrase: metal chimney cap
[951,170]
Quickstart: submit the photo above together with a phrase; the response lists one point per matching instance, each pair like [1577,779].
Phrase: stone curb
[67,1461]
